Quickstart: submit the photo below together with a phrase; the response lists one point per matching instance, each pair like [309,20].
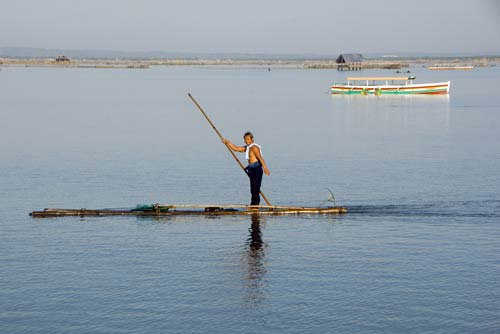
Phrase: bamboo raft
[187,210]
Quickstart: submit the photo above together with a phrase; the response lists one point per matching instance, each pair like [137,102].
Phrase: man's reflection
[255,262]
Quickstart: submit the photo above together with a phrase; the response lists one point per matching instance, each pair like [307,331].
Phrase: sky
[257,26]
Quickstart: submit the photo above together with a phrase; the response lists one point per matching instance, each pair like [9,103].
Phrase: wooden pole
[222,138]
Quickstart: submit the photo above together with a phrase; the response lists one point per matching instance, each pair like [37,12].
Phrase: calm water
[418,252]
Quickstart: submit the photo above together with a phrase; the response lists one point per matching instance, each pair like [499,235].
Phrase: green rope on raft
[151,207]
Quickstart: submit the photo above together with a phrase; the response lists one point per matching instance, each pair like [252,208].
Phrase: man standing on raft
[256,164]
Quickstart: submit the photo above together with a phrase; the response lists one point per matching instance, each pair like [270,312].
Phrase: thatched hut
[350,62]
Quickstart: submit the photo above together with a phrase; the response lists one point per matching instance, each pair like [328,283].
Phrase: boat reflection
[386,113]
[254,262]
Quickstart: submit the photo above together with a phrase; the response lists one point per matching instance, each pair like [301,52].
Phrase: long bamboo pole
[222,138]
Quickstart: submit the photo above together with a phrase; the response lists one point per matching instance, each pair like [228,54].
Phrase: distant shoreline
[375,63]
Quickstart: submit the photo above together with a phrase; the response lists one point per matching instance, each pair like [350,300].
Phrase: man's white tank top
[247,151]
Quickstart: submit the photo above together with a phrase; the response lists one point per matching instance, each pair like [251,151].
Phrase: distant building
[62,59]
[349,62]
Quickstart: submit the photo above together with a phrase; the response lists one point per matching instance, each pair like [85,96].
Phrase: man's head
[248,138]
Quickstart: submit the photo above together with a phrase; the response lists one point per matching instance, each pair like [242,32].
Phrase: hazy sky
[257,26]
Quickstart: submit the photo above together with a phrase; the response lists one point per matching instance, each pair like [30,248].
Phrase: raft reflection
[254,261]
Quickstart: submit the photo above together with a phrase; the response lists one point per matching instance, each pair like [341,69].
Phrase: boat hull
[439,88]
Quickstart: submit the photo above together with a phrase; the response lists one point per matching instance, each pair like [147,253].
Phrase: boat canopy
[379,78]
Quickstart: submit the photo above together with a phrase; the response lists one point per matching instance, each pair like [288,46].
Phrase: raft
[155,210]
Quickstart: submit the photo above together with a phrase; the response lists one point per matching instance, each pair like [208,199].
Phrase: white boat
[450,67]
[388,85]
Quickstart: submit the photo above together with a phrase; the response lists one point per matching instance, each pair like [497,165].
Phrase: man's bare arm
[233,147]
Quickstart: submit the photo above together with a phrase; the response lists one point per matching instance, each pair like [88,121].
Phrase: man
[256,164]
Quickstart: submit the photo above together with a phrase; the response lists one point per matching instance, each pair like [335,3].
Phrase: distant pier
[266,64]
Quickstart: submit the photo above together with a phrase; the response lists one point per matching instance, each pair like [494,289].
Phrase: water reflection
[392,113]
[254,261]
[382,103]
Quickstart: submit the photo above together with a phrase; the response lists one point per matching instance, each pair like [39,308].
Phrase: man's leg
[255,175]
